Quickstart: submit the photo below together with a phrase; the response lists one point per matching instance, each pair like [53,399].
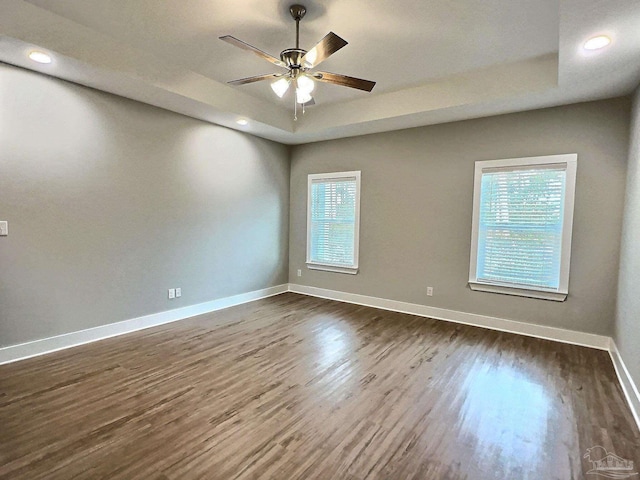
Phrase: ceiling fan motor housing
[293,57]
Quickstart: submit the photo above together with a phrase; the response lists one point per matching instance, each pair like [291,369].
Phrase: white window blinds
[521,217]
[333,208]
[520,224]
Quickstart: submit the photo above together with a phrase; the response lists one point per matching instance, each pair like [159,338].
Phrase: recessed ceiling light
[242,122]
[596,43]
[40,57]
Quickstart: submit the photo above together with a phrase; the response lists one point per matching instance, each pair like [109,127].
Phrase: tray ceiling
[433,61]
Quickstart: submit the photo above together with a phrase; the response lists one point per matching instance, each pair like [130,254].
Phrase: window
[522,222]
[333,217]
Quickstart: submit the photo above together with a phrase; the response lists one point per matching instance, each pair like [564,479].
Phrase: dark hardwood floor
[294,387]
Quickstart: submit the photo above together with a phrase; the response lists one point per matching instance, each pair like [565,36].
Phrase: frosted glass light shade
[281,86]
[305,84]
[302,96]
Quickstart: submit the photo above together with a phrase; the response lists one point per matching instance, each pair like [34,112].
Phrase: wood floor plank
[295,387]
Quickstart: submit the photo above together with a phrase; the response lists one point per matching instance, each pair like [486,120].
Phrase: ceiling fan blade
[257,78]
[326,47]
[345,81]
[251,48]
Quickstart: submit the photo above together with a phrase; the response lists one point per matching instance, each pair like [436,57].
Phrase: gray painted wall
[627,326]
[111,202]
[416,207]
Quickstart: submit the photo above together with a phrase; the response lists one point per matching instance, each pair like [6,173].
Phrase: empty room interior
[327,240]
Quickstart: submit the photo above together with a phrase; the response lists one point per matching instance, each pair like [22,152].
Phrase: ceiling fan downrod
[297,12]
[292,57]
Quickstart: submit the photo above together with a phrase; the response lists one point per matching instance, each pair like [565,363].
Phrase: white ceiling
[433,60]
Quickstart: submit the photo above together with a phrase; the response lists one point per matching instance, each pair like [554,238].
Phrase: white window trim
[559,295]
[349,269]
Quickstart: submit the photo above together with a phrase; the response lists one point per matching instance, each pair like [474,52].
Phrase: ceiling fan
[299,64]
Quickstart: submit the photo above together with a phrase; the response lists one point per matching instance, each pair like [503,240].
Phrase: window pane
[520,227]
[333,211]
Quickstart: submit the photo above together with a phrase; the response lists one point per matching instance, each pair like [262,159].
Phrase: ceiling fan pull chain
[295,109]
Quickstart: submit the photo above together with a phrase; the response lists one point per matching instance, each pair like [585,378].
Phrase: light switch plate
[4,228]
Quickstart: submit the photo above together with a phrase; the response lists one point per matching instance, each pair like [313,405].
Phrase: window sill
[520,292]
[332,268]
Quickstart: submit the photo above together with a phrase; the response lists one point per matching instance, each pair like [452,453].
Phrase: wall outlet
[178,292]
[4,229]
[429,291]
[299,272]
[172,293]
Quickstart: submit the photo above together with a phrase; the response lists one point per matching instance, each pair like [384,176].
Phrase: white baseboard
[600,342]
[628,386]
[47,345]
[22,351]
